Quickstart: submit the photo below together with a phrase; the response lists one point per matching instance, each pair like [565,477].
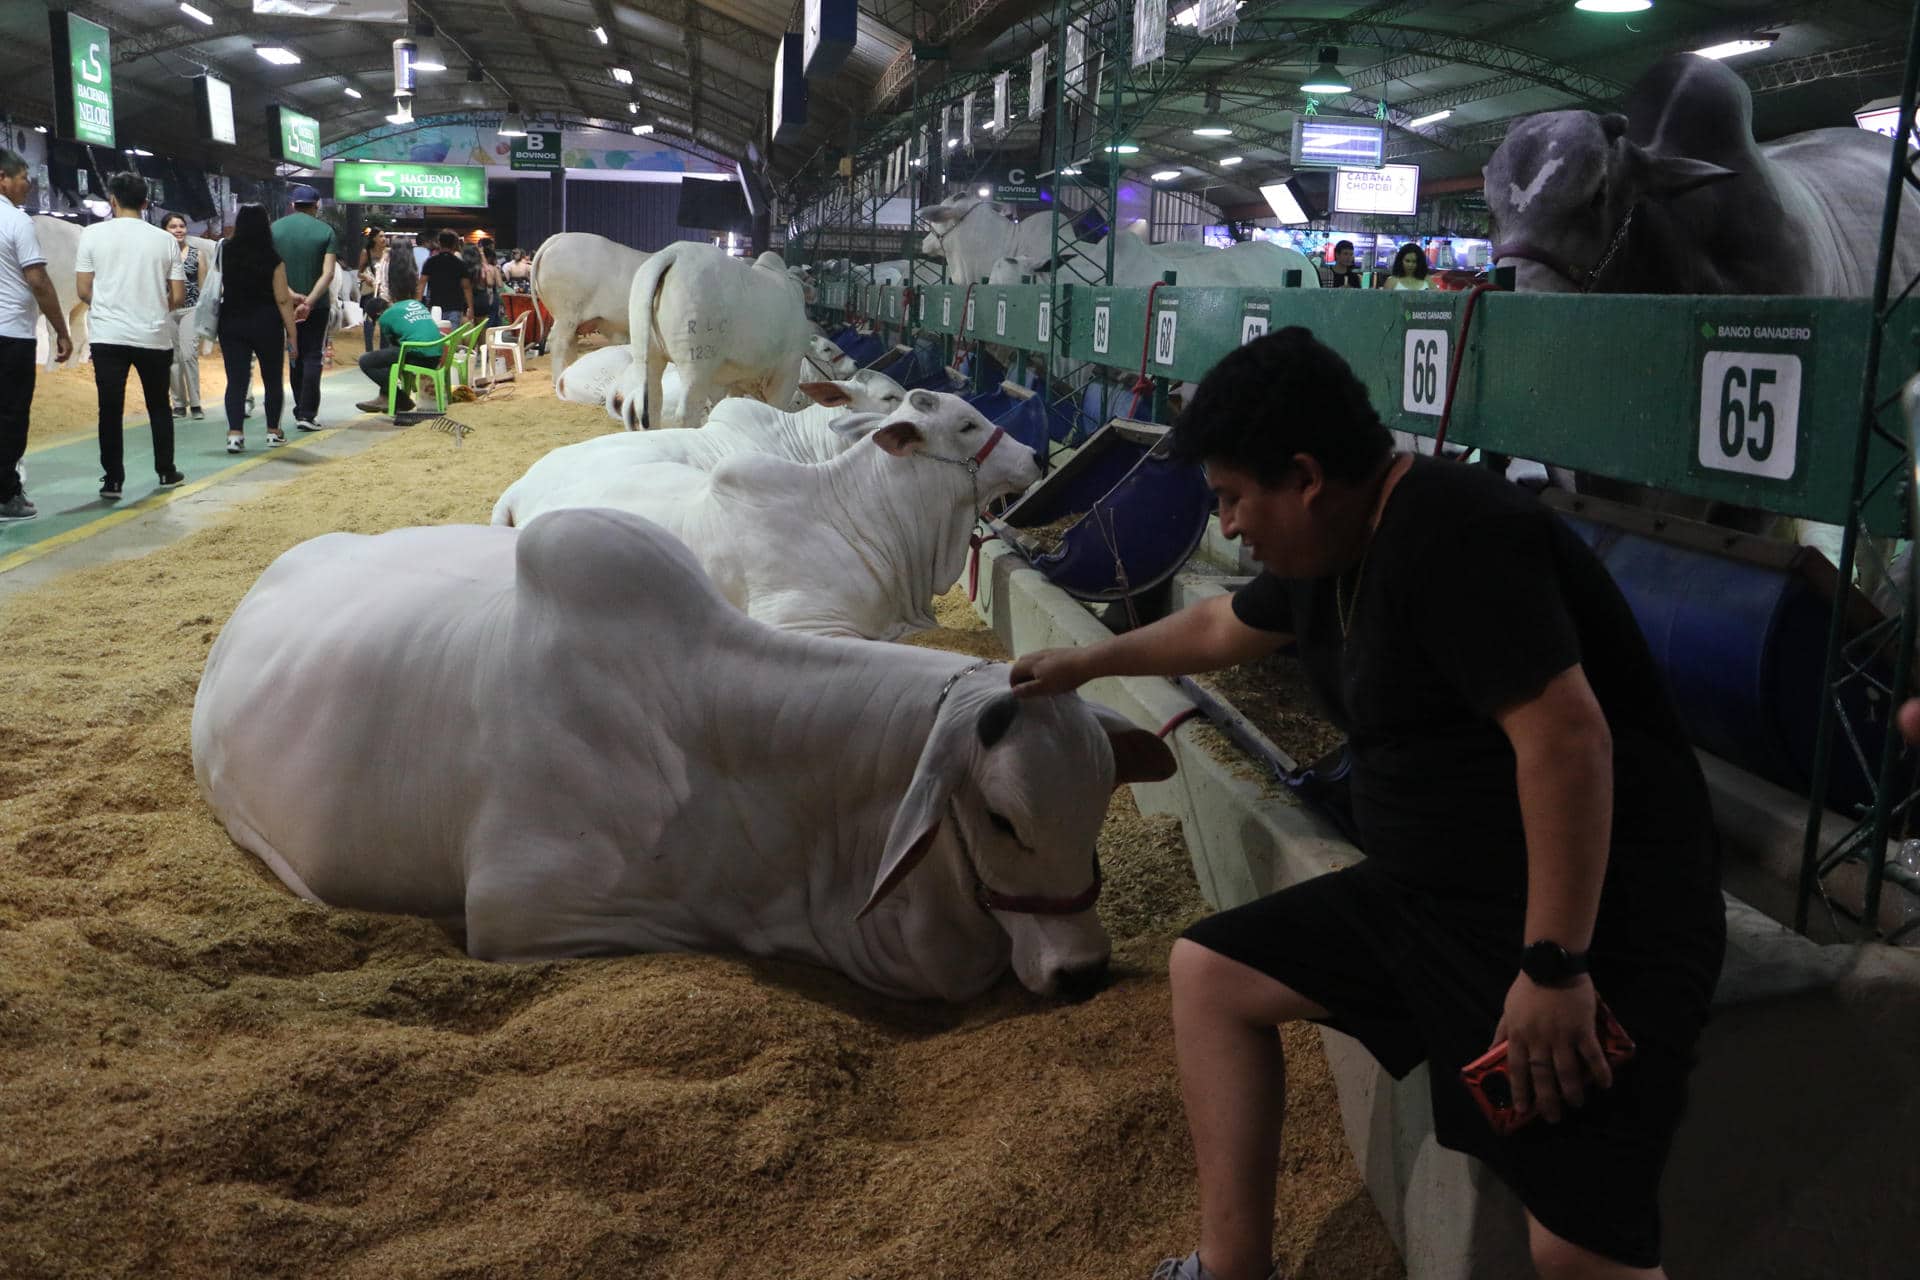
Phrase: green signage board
[83,79]
[539,152]
[461,186]
[292,137]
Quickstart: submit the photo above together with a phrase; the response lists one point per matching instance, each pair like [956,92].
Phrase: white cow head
[825,356]
[970,233]
[1020,787]
[866,392]
[938,426]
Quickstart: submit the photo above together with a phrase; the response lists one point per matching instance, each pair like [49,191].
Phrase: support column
[556,202]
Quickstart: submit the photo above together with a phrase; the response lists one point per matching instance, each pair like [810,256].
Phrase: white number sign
[967,324]
[946,311]
[1163,326]
[1423,373]
[1044,331]
[1102,329]
[1252,327]
[1000,318]
[923,308]
[1750,413]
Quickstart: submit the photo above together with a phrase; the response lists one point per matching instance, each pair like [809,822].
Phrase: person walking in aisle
[24,287]
[185,379]
[257,321]
[129,272]
[305,245]
[449,284]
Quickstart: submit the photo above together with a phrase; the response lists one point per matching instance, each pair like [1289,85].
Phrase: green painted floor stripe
[63,480]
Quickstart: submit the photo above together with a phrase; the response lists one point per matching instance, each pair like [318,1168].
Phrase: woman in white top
[1409,269]
[184,378]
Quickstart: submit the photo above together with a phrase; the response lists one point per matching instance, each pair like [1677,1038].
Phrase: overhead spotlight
[511,125]
[985,192]
[1213,126]
[1754,43]
[276,55]
[1227,161]
[402,109]
[1122,149]
[621,74]
[1166,175]
[599,33]
[136,151]
[1326,77]
[39,128]
[195,14]
[952,143]
[1423,121]
[1070,172]
[426,54]
[352,92]
[1213,131]
[474,92]
[643,128]
[1613,6]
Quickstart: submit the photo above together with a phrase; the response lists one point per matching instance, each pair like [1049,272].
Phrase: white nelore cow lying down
[596,378]
[584,474]
[717,785]
[858,546]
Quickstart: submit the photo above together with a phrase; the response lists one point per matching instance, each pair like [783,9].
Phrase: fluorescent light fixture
[39,128]
[1284,206]
[352,92]
[1166,175]
[426,50]
[511,125]
[195,14]
[1213,131]
[952,143]
[1123,149]
[599,33]
[1326,77]
[985,192]
[643,128]
[276,55]
[136,151]
[1435,118]
[1226,161]
[621,74]
[1734,48]
[1613,6]
[1070,172]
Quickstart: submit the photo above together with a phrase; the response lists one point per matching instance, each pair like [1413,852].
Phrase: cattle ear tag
[831,394]
[898,437]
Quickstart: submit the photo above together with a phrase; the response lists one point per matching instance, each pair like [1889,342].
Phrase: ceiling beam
[525,22]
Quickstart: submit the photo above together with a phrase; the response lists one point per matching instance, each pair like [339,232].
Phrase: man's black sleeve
[1263,605]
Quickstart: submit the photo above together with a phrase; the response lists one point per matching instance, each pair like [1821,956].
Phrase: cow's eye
[971,426]
[1001,825]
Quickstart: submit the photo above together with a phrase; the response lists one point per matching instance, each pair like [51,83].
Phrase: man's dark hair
[1284,394]
[448,240]
[374,306]
[12,163]
[1343,244]
[130,189]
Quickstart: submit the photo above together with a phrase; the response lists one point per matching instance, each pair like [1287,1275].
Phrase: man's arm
[324,283]
[83,285]
[1201,637]
[41,286]
[1563,768]
[466,291]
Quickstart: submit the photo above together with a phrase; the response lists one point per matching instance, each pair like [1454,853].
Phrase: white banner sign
[1037,83]
[1149,31]
[1002,89]
[966,123]
[335,10]
[1076,69]
[1215,14]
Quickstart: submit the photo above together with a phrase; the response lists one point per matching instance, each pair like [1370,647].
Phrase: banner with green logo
[292,137]
[82,79]
[391,182]
[538,152]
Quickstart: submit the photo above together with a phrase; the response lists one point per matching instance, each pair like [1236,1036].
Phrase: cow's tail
[640,303]
[533,294]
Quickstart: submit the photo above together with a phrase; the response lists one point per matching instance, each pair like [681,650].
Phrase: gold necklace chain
[1344,612]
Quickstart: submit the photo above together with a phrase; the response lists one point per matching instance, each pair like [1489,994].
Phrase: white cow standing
[973,234]
[579,475]
[60,242]
[581,279]
[732,328]
[856,546]
[886,811]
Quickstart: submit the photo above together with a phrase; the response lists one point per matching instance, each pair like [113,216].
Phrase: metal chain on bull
[1619,238]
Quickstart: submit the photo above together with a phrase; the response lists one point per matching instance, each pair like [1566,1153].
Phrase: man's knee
[1203,979]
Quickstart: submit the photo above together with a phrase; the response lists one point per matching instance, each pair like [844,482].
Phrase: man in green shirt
[305,244]
[406,321]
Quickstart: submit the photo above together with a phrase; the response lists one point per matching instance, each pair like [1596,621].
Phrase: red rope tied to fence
[1453,373]
[975,541]
[1177,721]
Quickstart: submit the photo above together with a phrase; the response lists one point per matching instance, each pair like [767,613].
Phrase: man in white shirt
[129,271]
[24,287]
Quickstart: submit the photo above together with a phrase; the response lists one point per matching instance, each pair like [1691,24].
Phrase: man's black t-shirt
[444,272]
[1472,596]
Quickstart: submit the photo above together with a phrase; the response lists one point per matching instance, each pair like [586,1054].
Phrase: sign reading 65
[1750,413]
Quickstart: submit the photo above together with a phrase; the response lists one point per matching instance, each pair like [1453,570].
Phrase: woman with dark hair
[373,279]
[256,321]
[185,377]
[489,279]
[403,278]
[1409,268]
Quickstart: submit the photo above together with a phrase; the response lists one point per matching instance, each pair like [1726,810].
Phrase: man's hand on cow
[1553,1054]
[1048,671]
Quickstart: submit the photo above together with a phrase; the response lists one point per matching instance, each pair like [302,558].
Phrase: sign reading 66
[1750,413]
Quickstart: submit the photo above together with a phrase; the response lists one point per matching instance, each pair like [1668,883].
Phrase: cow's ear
[1664,177]
[996,719]
[922,400]
[938,214]
[1138,756]
[943,764]
[899,438]
[855,426]
[831,394]
[1614,126]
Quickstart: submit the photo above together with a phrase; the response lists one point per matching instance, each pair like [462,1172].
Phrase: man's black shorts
[1419,978]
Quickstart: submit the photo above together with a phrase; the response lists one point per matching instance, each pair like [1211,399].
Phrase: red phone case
[1486,1076]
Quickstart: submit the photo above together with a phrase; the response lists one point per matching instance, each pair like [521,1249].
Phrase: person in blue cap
[306,245]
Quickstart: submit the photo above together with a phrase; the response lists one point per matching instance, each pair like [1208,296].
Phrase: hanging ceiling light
[276,55]
[633,108]
[352,92]
[1734,48]
[1229,161]
[1122,149]
[1166,175]
[402,109]
[426,53]
[1613,6]
[1213,126]
[511,125]
[599,33]
[1421,121]
[643,129]
[1326,77]
[621,74]
[474,92]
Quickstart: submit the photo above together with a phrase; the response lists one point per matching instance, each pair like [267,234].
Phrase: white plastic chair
[508,339]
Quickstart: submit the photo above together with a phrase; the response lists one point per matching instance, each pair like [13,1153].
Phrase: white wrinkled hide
[857,546]
[582,278]
[562,740]
[60,241]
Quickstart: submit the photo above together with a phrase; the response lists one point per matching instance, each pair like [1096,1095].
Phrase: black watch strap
[1549,964]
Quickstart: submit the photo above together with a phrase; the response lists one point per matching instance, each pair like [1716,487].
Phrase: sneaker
[171,479]
[375,405]
[18,508]
[306,424]
[109,488]
[275,436]
[179,411]
[1189,1268]
[236,443]
[194,411]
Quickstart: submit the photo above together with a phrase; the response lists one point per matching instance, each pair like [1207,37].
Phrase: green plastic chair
[466,339]
[436,375]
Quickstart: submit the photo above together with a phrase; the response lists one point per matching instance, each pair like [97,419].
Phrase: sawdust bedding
[202,1076]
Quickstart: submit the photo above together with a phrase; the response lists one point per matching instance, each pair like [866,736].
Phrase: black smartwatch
[1550,964]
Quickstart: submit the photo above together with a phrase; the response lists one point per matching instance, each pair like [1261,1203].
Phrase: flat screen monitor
[1338,142]
[1285,203]
[1390,189]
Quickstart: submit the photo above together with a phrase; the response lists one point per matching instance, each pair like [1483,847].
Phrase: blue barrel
[862,348]
[1743,648]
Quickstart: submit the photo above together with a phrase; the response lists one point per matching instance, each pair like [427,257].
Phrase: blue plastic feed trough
[1026,417]
[861,348]
[920,366]
[1741,639]
[1116,519]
